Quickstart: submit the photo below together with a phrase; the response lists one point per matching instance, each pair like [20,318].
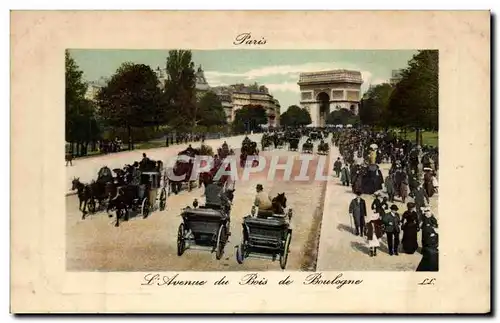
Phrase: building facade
[326,91]
[396,77]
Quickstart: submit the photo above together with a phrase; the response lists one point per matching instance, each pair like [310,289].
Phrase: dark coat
[379,206]
[392,223]
[421,197]
[374,225]
[357,209]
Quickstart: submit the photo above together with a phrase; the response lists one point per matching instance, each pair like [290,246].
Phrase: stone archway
[324,107]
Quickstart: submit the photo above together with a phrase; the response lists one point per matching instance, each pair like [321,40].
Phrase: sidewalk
[86,169]
[339,249]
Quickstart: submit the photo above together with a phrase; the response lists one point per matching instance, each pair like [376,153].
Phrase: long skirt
[410,243]
[374,242]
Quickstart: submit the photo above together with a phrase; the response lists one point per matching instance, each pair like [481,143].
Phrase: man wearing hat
[262,200]
[391,223]
[357,209]
[337,166]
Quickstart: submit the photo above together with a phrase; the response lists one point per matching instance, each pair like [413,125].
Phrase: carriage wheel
[91,205]
[163,199]
[181,241]
[145,208]
[221,242]
[240,253]
[286,250]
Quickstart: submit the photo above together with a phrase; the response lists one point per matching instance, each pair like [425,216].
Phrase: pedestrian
[337,166]
[389,187]
[373,232]
[345,175]
[430,247]
[379,204]
[404,186]
[357,210]
[421,199]
[410,225]
[69,158]
[391,223]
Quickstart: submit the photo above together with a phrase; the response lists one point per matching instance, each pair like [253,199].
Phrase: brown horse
[279,204]
[84,194]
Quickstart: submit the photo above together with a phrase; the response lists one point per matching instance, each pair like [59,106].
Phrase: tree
[295,116]
[343,117]
[373,108]
[210,111]
[180,90]
[249,117]
[81,124]
[131,99]
[414,102]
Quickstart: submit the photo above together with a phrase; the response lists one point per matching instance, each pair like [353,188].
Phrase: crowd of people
[412,177]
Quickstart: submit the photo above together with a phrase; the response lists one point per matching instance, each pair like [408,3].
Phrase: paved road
[86,169]
[341,250]
[94,244]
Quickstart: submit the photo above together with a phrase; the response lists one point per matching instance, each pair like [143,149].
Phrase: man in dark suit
[357,209]
[392,225]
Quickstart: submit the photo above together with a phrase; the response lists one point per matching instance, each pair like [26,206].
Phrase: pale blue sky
[277,69]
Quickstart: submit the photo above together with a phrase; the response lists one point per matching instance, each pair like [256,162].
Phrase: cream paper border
[39,282]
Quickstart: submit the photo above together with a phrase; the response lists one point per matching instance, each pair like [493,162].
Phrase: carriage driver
[262,200]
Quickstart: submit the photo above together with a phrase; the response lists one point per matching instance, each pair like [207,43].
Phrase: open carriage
[266,235]
[314,135]
[293,144]
[141,199]
[323,148]
[307,147]
[203,227]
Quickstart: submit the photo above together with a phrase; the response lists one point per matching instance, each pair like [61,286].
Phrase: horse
[279,203]
[83,192]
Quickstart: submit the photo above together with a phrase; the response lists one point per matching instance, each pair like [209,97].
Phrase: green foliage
[248,118]
[373,108]
[81,124]
[415,100]
[295,116]
[343,117]
[179,99]
[210,111]
[131,99]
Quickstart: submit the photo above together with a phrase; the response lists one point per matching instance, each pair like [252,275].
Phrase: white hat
[427,168]
[425,208]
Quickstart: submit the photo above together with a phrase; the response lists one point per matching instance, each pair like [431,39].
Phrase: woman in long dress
[410,226]
[374,232]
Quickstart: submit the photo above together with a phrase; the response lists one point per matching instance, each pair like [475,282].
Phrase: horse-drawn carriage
[182,170]
[249,154]
[293,144]
[266,235]
[144,198]
[204,227]
[307,147]
[314,135]
[323,148]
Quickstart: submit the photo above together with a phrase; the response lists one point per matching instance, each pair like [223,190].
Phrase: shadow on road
[343,227]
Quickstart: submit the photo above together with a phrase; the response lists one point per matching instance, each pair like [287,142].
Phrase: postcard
[298,161]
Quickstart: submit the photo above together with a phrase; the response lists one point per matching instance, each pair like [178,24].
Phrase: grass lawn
[428,137]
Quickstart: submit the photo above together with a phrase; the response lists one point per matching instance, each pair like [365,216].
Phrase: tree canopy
[210,111]
[374,105]
[249,118]
[131,99]
[343,117]
[295,116]
[180,90]
[81,124]
[415,100]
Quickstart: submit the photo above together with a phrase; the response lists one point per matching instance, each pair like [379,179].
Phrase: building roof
[332,76]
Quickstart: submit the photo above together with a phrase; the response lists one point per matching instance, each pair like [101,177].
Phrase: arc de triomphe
[326,91]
